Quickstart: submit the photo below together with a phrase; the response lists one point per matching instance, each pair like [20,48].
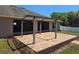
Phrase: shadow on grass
[19,46]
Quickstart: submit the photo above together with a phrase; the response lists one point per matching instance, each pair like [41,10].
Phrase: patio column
[34,30]
[36,26]
[40,27]
[55,29]
[21,27]
[50,26]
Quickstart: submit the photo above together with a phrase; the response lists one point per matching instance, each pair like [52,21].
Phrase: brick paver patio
[43,40]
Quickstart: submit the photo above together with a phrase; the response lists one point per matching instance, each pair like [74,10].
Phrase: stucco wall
[58,26]
[6,27]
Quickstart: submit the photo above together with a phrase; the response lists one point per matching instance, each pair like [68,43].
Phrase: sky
[48,9]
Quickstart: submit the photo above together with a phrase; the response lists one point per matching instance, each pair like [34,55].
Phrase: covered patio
[34,24]
[38,40]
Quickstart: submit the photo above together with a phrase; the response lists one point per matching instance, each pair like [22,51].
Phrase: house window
[16,26]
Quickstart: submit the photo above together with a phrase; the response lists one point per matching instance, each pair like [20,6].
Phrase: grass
[70,33]
[4,48]
[72,49]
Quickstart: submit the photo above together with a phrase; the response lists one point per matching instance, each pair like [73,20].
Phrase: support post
[55,29]
[40,27]
[36,26]
[50,26]
[34,30]
[22,28]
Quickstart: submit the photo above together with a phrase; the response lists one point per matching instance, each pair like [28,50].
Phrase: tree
[68,18]
[60,16]
[55,15]
[71,18]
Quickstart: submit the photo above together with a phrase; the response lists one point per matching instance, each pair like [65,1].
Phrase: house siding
[6,27]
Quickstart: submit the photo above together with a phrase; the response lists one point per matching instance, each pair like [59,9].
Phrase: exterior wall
[6,27]
[50,26]
[58,26]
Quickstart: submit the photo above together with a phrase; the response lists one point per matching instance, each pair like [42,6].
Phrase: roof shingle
[9,10]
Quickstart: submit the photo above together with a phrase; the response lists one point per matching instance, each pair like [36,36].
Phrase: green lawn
[71,33]
[4,48]
[72,49]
